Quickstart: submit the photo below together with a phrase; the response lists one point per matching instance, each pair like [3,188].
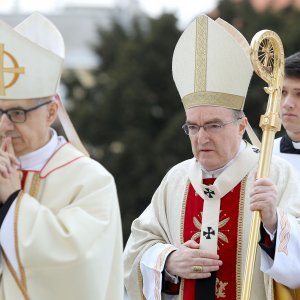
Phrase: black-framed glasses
[193,129]
[18,115]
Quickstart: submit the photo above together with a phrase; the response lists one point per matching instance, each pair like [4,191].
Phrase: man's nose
[202,135]
[5,123]
[288,101]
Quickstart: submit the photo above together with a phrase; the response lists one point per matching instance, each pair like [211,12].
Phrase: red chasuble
[228,283]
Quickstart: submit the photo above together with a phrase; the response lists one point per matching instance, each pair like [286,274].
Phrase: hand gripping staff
[267,57]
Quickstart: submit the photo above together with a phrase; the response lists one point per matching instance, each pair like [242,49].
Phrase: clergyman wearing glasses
[60,224]
[191,241]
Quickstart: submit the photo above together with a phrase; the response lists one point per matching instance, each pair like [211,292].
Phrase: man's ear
[242,126]
[52,112]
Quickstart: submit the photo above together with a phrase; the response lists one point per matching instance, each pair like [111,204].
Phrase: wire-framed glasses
[193,129]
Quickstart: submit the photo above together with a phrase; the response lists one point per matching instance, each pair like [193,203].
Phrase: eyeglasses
[18,115]
[192,129]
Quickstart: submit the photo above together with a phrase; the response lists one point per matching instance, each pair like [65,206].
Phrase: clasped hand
[9,177]
[182,261]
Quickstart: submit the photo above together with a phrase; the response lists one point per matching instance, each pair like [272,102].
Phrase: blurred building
[79,25]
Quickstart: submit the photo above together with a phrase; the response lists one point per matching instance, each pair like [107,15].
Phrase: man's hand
[188,255]
[9,177]
[263,198]
[8,160]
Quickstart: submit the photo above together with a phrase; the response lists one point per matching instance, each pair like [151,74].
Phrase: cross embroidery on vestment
[208,233]
[209,193]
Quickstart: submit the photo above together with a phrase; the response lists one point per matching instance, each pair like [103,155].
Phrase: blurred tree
[248,21]
[131,118]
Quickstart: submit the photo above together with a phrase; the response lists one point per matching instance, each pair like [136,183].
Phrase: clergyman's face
[214,150]
[33,133]
[290,107]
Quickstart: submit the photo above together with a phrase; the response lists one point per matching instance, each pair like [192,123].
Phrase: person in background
[191,241]
[288,146]
[60,223]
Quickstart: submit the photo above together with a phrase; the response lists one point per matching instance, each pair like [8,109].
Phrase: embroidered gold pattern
[271,290]
[213,98]
[221,235]
[16,237]
[200,53]
[239,240]
[284,234]
[16,70]
[139,272]
[182,228]
[35,185]
[183,211]
[158,265]
[15,276]
[140,280]
[220,288]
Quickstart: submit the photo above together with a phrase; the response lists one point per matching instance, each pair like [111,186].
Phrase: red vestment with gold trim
[229,250]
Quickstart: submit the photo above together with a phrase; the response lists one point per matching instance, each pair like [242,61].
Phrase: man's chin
[206,155]
[207,164]
[291,127]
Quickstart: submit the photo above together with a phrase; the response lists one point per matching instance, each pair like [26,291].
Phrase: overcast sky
[185,10]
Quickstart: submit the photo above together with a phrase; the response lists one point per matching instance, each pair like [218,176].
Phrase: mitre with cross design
[31,59]
[31,62]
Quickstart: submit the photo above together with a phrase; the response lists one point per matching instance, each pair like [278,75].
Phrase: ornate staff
[267,57]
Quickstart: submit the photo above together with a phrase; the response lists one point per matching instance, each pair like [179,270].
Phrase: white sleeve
[152,265]
[285,268]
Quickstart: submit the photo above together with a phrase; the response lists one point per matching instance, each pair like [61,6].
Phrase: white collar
[296,145]
[36,160]
[217,172]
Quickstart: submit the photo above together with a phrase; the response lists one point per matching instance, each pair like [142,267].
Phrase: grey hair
[43,100]
[237,114]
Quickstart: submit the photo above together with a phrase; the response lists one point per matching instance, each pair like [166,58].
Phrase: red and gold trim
[239,240]
[182,229]
[228,284]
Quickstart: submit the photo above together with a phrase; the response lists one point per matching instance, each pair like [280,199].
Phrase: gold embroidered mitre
[31,59]
[31,62]
[211,65]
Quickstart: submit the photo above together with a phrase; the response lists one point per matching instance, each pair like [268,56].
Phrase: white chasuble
[67,233]
[162,227]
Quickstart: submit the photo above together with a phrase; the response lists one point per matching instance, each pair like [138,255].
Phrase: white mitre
[31,62]
[211,66]
[31,58]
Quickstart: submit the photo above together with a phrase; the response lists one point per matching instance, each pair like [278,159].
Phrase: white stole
[212,194]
